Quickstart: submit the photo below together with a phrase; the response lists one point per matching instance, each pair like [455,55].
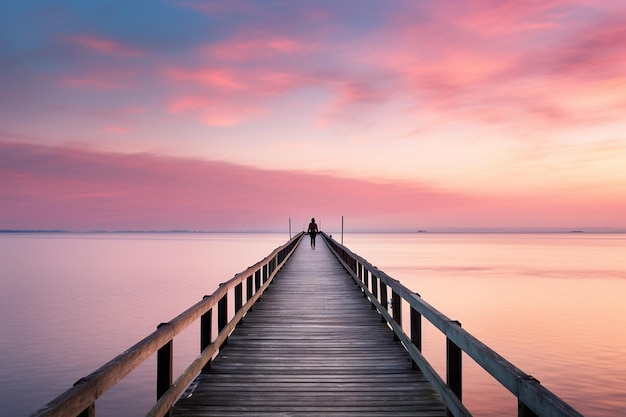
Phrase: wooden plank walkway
[312,345]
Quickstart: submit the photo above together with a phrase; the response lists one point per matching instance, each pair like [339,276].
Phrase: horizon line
[421,231]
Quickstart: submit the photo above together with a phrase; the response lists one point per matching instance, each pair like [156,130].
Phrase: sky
[245,115]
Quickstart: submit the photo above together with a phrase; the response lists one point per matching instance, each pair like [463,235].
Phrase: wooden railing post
[206,334]
[89,411]
[366,278]
[396,309]
[164,367]
[238,296]
[281,255]
[257,280]
[222,315]
[383,298]
[454,368]
[249,288]
[416,330]
[524,411]
[374,289]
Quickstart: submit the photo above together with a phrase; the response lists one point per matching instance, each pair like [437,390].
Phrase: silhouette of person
[312,232]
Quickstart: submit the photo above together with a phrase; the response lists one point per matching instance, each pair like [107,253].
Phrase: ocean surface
[552,304]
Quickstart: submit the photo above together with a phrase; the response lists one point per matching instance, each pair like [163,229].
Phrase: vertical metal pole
[342,230]
[290,228]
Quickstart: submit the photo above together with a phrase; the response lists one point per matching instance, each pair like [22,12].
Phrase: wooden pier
[310,332]
[312,345]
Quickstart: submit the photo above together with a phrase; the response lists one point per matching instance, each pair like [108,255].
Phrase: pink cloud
[78,189]
[120,112]
[230,96]
[487,62]
[594,52]
[496,19]
[227,79]
[355,99]
[117,129]
[215,111]
[104,46]
[102,79]
[48,187]
[492,63]
[499,63]
[258,48]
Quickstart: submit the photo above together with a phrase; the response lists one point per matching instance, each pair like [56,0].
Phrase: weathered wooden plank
[311,345]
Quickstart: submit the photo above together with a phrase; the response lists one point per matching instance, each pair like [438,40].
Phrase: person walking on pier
[312,232]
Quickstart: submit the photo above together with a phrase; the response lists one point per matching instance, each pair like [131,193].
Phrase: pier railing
[80,399]
[379,288]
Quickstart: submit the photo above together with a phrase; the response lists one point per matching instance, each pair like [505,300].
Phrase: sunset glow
[238,115]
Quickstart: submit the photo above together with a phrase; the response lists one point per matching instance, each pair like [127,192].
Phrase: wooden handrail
[533,398]
[80,399]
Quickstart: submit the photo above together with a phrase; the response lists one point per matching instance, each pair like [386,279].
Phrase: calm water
[551,304]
